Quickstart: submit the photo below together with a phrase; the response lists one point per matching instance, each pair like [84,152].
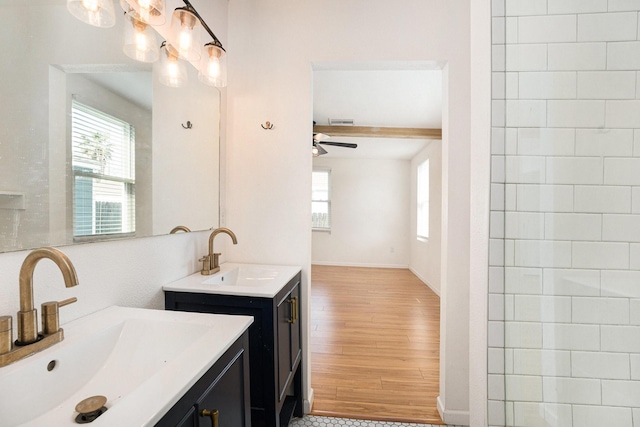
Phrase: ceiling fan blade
[339,144]
[320,136]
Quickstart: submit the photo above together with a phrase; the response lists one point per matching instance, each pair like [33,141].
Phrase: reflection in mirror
[92,147]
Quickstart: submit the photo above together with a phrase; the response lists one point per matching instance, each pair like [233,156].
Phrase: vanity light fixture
[213,67]
[148,11]
[185,29]
[211,60]
[173,71]
[98,13]
[183,40]
[152,11]
[140,41]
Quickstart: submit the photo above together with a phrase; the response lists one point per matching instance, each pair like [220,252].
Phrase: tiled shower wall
[564,303]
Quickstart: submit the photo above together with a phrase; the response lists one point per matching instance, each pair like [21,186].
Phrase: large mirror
[92,146]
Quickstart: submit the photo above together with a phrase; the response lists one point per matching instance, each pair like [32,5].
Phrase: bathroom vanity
[221,395]
[271,294]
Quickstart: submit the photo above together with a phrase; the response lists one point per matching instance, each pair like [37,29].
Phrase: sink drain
[90,409]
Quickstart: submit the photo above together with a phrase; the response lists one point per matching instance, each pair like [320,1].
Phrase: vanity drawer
[224,387]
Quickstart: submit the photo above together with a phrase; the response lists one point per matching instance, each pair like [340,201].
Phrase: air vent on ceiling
[341,122]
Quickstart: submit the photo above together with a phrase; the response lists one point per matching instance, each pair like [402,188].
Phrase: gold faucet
[174,230]
[29,340]
[210,262]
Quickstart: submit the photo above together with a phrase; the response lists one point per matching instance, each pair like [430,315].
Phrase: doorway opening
[375,280]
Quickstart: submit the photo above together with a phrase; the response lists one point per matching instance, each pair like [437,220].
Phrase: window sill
[102,237]
[322,230]
[423,239]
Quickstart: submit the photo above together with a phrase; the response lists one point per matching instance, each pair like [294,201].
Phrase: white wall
[14,178]
[425,257]
[369,214]
[185,161]
[480,168]
[128,273]
[273,45]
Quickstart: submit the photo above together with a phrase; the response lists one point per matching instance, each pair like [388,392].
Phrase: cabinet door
[225,395]
[288,338]
[189,420]
[296,348]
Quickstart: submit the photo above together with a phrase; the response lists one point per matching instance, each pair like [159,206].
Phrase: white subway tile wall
[541,414]
[564,276]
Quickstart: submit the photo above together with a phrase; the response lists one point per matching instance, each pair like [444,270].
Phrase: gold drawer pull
[294,309]
[213,414]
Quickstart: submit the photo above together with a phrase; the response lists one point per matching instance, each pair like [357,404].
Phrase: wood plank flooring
[375,336]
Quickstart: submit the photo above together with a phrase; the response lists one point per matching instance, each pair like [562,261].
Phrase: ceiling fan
[319,138]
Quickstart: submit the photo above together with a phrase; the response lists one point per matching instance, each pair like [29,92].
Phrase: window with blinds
[423,200]
[320,200]
[103,163]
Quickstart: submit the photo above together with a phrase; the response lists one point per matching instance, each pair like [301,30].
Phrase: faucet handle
[67,301]
[216,260]
[50,318]
[206,264]
[5,334]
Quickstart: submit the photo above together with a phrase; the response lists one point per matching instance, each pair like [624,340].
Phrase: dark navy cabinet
[275,351]
[223,388]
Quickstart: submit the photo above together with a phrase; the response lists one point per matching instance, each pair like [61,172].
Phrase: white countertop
[142,360]
[254,280]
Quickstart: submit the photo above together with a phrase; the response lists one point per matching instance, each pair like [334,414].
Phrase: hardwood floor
[375,336]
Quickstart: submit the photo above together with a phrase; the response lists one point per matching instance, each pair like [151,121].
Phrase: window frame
[127,178]
[423,204]
[327,201]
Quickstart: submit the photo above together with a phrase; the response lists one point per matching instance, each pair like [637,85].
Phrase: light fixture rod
[193,10]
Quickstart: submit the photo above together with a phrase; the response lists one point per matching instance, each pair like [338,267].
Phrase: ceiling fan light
[185,29]
[99,13]
[317,150]
[320,137]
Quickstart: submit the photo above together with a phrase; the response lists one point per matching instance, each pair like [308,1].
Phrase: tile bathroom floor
[318,421]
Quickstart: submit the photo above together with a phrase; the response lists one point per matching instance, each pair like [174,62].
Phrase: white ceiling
[405,98]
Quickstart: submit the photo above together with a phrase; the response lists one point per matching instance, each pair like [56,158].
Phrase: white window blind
[103,163]
[321,200]
[423,200]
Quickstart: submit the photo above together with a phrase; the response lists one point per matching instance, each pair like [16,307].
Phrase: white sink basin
[244,276]
[256,280]
[141,360]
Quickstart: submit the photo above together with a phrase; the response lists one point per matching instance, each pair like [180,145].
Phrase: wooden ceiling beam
[379,132]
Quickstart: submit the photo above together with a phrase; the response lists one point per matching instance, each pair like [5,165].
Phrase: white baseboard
[460,418]
[425,281]
[308,403]
[355,264]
